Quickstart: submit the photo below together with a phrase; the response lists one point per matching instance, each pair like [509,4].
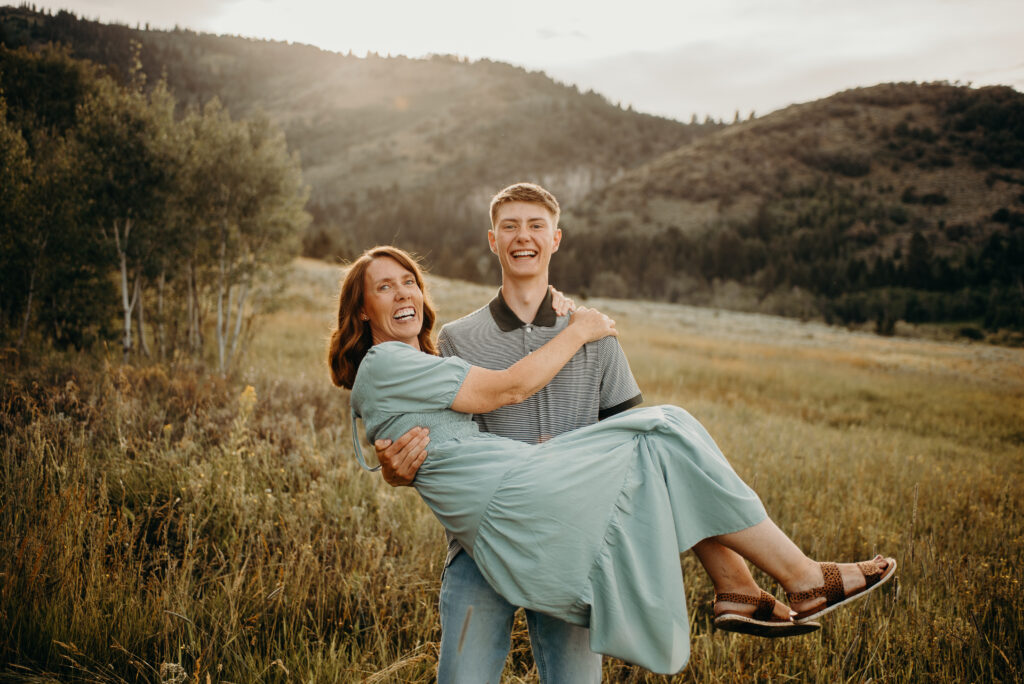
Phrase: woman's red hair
[352,339]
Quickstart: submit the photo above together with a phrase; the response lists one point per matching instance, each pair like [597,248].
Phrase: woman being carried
[587,526]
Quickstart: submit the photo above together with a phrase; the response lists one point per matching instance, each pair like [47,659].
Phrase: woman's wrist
[576,335]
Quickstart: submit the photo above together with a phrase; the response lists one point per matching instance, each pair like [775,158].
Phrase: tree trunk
[28,306]
[143,344]
[32,290]
[238,318]
[126,304]
[161,328]
[190,288]
[221,287]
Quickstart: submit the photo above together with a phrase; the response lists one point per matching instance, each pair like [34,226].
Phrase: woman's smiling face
[392,303]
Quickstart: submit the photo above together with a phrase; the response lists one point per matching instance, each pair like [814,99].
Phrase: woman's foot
[760,615]
[826,586]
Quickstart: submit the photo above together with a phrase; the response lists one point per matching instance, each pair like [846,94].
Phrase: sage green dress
[588,526]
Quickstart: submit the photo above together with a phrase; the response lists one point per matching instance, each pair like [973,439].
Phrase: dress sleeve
[405,380]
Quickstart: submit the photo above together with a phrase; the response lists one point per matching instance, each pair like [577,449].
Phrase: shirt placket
[532,341]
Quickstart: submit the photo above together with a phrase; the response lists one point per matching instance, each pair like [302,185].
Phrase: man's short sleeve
[619,390]
[445,345]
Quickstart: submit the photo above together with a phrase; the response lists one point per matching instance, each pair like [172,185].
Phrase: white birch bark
[126,304]
[143,344]
[161,329]
[238,318]
[193,309]
[221,287]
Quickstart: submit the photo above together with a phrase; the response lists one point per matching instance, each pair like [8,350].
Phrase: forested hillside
[900,201]
[895,202]
[394,148]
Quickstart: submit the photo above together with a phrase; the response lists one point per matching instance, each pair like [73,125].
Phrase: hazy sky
[669,57]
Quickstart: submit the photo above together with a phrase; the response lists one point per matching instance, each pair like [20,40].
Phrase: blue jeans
[473,650]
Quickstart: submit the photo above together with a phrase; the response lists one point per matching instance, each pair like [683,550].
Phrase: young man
[476,622]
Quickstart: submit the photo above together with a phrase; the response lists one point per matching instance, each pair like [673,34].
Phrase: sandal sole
[740,624]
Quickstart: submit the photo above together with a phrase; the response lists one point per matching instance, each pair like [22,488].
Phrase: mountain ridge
[888,202]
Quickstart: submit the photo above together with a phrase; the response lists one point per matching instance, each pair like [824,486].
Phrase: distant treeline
[797,271]
[839,234]
[122,214]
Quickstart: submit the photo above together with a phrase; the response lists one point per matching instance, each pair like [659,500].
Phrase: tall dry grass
[168,526]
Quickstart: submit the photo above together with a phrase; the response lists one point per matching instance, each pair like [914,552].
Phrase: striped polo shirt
[595,384]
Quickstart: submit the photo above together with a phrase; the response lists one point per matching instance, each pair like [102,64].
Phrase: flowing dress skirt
[588,526]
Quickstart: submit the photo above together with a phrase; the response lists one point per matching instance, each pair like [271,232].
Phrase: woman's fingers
[596,324]
[560,303]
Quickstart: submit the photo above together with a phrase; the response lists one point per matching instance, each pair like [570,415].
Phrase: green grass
[164,525]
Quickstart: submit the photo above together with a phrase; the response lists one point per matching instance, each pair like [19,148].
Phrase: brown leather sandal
[762,622]
[833,592]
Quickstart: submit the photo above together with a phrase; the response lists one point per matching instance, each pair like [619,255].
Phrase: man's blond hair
[525,192]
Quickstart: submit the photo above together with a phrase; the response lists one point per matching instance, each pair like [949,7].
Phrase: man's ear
[491,241]
[557,240]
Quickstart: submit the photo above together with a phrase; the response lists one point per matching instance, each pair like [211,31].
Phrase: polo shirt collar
[507,320]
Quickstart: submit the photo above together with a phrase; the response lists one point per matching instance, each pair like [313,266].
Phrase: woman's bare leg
[730,574]
[768,547]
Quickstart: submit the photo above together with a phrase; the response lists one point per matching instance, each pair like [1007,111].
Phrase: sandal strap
[831,589]
[764,602]
[872,573]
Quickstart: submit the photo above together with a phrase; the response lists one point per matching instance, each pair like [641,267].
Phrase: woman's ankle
[802,577]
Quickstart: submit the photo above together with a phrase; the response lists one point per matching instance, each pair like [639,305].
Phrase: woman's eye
[384,287]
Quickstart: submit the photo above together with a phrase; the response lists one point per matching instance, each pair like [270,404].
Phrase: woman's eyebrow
[388,279]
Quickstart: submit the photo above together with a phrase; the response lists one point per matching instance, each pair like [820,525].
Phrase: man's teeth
[523,253]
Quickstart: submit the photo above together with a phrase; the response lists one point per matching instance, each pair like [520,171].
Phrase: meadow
[162,524]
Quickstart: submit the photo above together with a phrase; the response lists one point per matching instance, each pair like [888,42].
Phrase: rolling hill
[898,201]
[393,148]
[894,202]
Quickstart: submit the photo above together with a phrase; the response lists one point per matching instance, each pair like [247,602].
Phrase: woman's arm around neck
[485,390]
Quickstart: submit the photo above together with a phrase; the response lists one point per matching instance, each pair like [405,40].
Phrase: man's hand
[401,459]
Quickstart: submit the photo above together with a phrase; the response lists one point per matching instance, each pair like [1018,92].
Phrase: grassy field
[162,525]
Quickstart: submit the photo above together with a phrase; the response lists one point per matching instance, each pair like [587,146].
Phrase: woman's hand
[560,303]
[592,324]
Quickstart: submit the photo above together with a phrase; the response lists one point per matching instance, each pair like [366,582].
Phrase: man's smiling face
[524,237]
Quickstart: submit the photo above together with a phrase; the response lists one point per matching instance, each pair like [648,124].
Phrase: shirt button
[529,328]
